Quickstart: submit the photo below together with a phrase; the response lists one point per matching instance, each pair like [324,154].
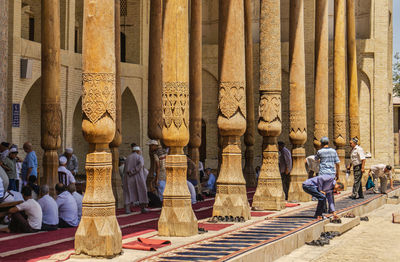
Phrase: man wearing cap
[64,175]
[4,150]
[383,172]
[30,164]
[329,160]
[158,168]
[9,164]
[357,158]
[72,161]
[135,189]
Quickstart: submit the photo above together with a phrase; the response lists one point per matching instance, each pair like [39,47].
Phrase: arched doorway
[365,111]
[80,145]
[130,122]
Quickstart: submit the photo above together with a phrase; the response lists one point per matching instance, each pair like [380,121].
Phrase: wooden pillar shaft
[50,93]
[269,194]
[249,140]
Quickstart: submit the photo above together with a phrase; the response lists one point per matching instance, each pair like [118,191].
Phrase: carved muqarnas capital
[232,99]
[269,123]
[98,95]
[175,98]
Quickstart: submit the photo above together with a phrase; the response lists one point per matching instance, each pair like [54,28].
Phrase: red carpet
[24,247]
[260,214]
[292,204]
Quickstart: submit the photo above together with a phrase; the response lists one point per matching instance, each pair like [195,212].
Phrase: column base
[177,217]
[298,175]
[269,194]
[231,200]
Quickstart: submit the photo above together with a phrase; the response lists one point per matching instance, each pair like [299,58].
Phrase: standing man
[4,150]
[10,166]
[329,160]
[72,161]
[30,164]
[357,158]
[383,172]
[285,166]
[322,187]
[135,181]
[158,169]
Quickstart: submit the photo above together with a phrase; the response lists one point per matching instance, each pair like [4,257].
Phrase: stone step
[393,200]
[346,225]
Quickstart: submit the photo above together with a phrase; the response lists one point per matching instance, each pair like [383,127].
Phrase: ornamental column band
[154,104]
[98,233]
[195,84]
[231,197]
[116,178]
[50,109]
[269,194]
[249,171]
[297,107]
[352,71]
[339,83]
[321,72]
[177,217]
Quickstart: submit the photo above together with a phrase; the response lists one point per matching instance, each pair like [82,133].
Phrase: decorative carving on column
[269,194]
[98,233]
[195,83]
[231,197]
[154,104]
[249,140]
[4,27]
[50,109]
[116,177]
[321,72]
[339,84]
[177,217]
[352,71]
[297,108]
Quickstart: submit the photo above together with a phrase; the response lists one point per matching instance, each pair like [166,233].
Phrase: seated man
[209,186]
[27,216]
[78,198]
[383,172]
[67,208]
[322,187]
[64,175]
[49,210]
[192,191]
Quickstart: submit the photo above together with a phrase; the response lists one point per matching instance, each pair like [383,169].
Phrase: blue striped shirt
[328,159]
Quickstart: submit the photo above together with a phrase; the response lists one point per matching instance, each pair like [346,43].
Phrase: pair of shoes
[319,242]
[349,215]
[145,210]
[336,221]
[352,197]
[202,230]
[330,234]
[364,218]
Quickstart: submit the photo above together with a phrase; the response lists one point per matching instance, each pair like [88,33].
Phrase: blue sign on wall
[15,115]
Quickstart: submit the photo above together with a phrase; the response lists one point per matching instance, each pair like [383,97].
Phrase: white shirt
[378,171]
[34,212]
[70,176]
[201,166]
[192,192]
[312,164]
[49,210]
[78,198]
[357,155]
[67,208]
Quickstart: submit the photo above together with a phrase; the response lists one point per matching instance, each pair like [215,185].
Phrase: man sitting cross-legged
[27,216]
[322,187]
[49,209]
[67,208]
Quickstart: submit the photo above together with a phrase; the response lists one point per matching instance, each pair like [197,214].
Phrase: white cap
[152,142]
[63,160]
[13,150]
[69,150]
[136,148]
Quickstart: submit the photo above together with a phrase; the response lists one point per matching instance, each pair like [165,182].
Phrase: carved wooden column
[231,198]
[3,68]
[177,217]
[249,171]
[116,177]
[352,71]
[298,121]
[269,193]
[321,72]
[195,83]
[154,104]
[339,83]
[98,233]
[50,109]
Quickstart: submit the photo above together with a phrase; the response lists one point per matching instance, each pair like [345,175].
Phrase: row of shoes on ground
[336,221]
[226,219]
[324,239]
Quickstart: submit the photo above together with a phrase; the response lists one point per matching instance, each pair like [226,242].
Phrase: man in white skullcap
[72,160]
[64,175]
[135,189]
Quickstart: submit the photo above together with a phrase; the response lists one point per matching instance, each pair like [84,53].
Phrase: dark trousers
[313,191]
[19,224]
[63,224]
[12,185]
[285,184]
[357,187]
[46,227]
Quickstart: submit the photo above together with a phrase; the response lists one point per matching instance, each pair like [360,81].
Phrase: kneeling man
[322,187]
